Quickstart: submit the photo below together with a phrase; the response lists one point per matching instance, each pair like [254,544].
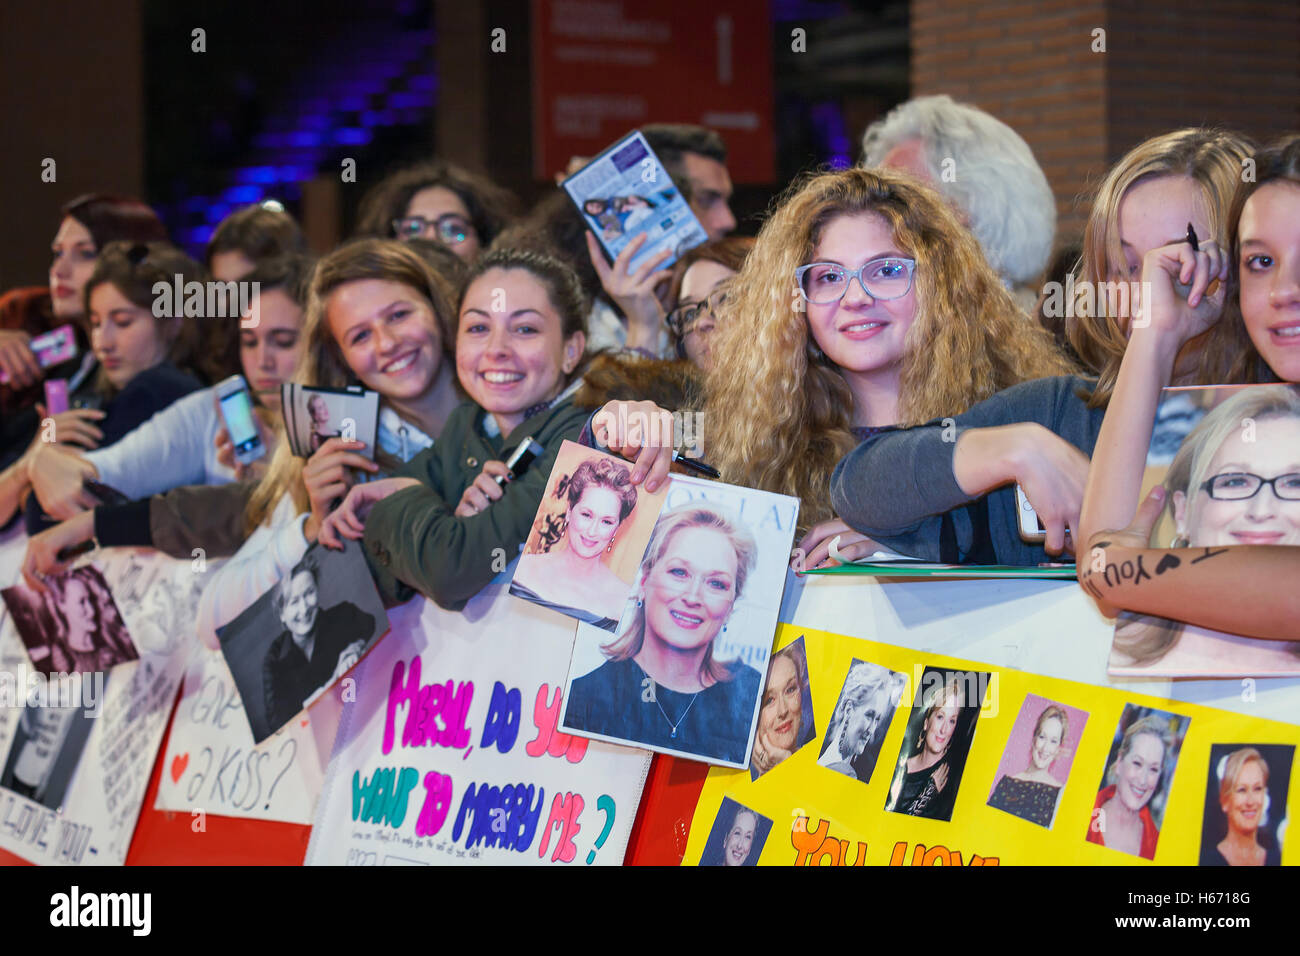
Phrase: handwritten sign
[96,815]
[451,752]
[211,763]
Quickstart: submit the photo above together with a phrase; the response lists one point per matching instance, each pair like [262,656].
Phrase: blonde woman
[1122,817]
[1228,486]
[1244,800]
[1032,793]
[661,683]
[925,782]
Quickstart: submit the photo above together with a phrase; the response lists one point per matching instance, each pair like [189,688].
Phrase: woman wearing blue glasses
[865,303]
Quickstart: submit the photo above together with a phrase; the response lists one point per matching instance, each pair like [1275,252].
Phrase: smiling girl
[441,526]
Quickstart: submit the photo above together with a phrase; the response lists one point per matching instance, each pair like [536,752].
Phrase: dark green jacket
[413,540]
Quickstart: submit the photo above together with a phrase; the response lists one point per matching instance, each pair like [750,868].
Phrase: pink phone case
[56,396]
[55,346]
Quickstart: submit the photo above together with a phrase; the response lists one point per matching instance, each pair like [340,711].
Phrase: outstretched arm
[1240,589]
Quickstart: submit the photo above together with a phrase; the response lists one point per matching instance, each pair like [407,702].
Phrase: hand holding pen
[643,433]
[1181,290]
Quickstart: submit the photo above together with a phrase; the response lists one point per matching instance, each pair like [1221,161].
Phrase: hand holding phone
[55,346]
[236,406]
[1031,526]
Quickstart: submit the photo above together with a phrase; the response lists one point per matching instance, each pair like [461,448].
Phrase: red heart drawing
[179,763]
[304,721]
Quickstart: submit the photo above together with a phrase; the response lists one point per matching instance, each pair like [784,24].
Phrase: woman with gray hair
[862,712]
[984,169]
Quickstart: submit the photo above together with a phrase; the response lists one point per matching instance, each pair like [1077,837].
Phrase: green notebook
[926,569]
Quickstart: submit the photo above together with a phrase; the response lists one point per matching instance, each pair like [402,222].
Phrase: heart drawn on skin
[179,763]
[304,721]
[1168,562]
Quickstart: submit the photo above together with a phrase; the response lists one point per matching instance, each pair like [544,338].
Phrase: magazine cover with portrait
[586,543]
[74,626]
[1130,805]
[312,416]
[1036,762]
[785,716]
[737,836]
[936,742]
[1245,804]
[302,635]
[683,673]
[45,752]
[861,719]
[1229,459]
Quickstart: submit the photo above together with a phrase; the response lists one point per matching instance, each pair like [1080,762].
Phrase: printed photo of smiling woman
[1130,805]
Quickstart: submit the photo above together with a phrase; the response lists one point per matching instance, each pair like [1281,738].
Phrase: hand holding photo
[74,626]
[1235,480]
[288,646]
[588,537]
[677,677]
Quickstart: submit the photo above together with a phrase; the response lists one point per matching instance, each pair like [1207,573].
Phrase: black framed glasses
[449,228]
[683,319]
[1241,485]
[822,283]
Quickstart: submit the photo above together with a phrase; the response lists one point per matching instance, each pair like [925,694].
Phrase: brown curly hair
[969,338]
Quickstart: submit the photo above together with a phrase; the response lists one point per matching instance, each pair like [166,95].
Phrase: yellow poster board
[806,813]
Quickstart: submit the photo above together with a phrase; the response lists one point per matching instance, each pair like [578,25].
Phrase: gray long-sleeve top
[898,485]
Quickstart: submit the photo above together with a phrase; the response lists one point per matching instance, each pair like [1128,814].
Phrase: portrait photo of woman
[302,635]
[737,836]
[936,743]
[74,627]
[1130,805]
[662,684]
[785,716]
[591,516]
[1245,813]
[1037,759]
[319,412]
[861,718]
[1235,480]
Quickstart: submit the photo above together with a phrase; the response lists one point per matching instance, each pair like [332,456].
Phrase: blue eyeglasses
[822,283]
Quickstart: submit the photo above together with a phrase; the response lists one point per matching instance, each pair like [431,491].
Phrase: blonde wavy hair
[1214,159]
[778,410]
[691,515]
[321,363]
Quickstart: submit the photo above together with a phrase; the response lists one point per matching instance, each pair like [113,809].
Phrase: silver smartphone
[237,410]
[1031,526]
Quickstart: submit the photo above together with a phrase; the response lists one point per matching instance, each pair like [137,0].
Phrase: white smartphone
[1031,526]
[237,410]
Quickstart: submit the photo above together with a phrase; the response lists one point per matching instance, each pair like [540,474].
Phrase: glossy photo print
[312,416]
[737,836]
[861,719]
[937,742]
[74,627]
[684,672]
[586,543]
[302,635]
[1245,804]
[785,716]
[1036,762]
[1134,791]
[1231,470]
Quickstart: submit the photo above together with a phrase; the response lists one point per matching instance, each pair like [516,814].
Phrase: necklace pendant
[674,733]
